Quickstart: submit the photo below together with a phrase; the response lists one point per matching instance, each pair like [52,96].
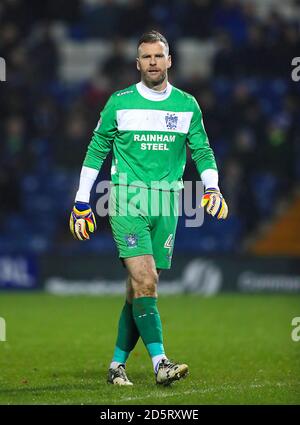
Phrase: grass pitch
[238,348]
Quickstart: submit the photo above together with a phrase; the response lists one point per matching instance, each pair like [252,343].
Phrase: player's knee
[146,285]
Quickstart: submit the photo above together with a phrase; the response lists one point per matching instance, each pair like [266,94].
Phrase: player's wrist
[82,206]
[82,196]
[210,179]
[212,190]
[88,177]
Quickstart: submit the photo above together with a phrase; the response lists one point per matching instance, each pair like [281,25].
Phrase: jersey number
[169,242]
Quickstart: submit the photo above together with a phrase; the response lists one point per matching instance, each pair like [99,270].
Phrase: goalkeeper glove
[215,203]
[82,221]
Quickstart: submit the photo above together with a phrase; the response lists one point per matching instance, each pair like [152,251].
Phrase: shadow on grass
[86,381]
[100,375]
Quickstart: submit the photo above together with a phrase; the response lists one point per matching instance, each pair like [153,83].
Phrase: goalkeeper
[147,125]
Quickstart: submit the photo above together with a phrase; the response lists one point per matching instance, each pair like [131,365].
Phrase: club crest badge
[171,121]
[131,240]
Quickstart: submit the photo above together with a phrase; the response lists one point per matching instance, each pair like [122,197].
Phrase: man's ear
[169,62]
[138,64]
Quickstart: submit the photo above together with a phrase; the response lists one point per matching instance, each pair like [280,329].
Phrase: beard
[155,80]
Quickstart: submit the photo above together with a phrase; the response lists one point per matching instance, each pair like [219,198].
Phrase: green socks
[148,322]
[128,335]
[139,319]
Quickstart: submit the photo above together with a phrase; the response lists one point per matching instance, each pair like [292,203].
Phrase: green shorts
[144,221]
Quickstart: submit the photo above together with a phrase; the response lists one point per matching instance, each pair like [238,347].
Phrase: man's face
[152,62]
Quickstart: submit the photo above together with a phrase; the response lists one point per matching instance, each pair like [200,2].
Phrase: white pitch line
[211,390]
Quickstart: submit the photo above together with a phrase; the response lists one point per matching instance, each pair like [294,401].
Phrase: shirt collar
[151,94]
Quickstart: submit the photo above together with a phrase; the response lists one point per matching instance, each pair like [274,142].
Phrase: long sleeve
[103,136]
[198,142]
[87,179]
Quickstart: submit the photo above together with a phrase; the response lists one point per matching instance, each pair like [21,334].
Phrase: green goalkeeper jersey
[149,138]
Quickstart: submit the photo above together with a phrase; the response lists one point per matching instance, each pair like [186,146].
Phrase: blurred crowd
[249,102]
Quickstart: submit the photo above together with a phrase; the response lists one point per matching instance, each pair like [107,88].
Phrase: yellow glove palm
[214,203]
[82,221]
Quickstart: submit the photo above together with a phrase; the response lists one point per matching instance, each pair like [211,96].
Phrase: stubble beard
[154,83]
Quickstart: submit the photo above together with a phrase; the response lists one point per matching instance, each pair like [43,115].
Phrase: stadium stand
[62,65]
